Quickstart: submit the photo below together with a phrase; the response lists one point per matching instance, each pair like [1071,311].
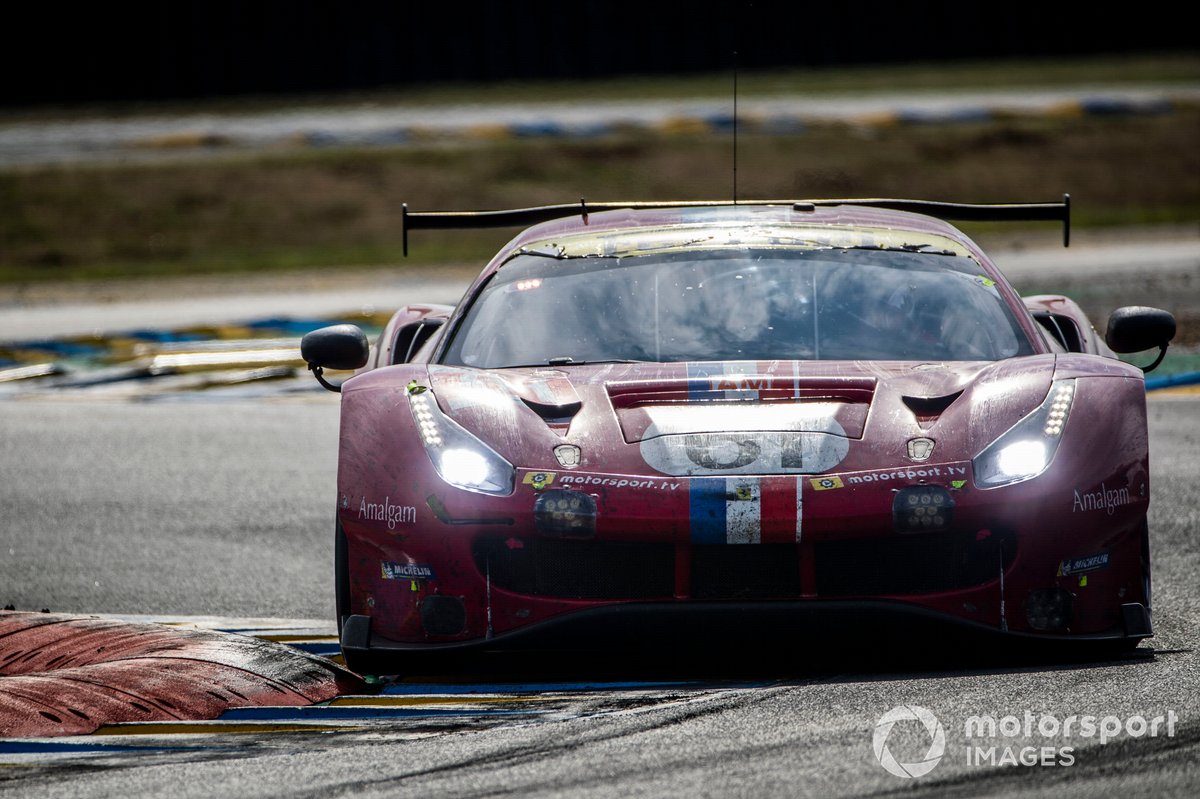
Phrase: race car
[663,419]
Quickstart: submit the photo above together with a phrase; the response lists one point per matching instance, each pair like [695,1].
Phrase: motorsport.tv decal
[952,472]
[908,473]
[610,481]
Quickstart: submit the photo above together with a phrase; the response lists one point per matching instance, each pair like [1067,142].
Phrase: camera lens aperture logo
[937,741]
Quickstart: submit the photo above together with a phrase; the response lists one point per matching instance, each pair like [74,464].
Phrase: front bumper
[643,627]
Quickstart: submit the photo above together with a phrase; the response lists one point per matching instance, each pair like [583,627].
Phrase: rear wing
[524,217]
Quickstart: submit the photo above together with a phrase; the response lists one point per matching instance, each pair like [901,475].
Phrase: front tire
[341,575]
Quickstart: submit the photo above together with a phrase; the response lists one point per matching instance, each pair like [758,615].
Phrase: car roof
[845,225]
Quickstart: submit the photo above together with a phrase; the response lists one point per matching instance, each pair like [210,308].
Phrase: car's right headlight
[1028,447]
[459,457]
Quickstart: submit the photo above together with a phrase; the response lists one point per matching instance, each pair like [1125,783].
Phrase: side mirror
[334,347]
[1136,328]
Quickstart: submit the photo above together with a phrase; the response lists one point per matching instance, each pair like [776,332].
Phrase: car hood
[741,417]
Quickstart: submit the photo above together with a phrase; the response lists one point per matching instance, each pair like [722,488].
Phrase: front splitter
[669,626]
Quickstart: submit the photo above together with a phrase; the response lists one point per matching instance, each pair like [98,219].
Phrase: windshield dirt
[831,304]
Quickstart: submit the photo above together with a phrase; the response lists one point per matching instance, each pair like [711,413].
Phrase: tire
[1146,583]
[362,663]
[341,575]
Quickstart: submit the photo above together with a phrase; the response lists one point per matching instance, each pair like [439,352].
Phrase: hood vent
[553,414]
[928,409]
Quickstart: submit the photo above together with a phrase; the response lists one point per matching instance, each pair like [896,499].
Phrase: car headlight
[1028,447]
[461,459]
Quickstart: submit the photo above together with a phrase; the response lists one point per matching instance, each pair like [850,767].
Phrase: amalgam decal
[1102,498]
[387,512]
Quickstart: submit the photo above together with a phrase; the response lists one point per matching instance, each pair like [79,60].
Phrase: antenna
[735,124]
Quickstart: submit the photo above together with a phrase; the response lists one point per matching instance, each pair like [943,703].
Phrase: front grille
[578,569]
[894,565]
[910,564]
[746,571]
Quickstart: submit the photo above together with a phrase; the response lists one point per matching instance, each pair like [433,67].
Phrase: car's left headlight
[459,457]
[1028,447]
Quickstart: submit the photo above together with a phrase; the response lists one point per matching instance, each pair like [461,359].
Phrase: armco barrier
[68,675]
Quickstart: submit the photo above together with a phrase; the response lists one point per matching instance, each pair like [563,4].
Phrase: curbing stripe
[207,728]
[1169,381]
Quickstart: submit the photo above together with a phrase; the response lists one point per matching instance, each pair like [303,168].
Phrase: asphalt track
[223,507]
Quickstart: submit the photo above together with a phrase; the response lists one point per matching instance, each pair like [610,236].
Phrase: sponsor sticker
[923,472]
[826,483]
[1088,563]
[1102,498]
[406,571]
[387,512]
[617,482]
[539,480]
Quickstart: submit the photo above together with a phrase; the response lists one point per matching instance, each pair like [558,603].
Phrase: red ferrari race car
[660,419]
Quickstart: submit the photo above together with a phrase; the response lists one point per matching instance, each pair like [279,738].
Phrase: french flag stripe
[743,510]
[707,495]
[782,499]
[700,380]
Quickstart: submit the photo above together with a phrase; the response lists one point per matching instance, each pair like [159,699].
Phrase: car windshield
[737,304]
